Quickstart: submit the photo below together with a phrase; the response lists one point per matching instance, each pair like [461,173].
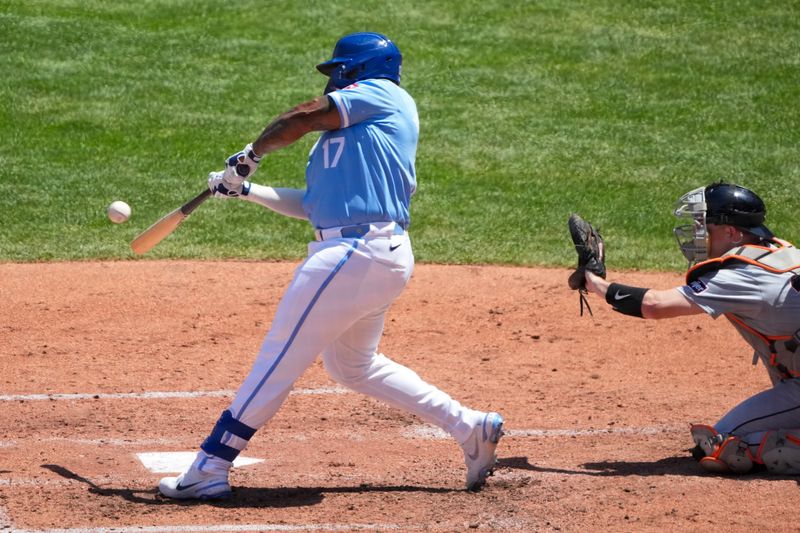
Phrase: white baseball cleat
[198,483]
[479,450]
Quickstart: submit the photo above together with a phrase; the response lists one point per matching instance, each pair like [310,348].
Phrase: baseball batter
[740,270]
[360,177]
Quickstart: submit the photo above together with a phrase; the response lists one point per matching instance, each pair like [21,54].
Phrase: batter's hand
[222,188]
[241,165]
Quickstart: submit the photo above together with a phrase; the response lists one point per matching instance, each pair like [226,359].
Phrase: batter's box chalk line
[217,528]
[150,395]
[427,431]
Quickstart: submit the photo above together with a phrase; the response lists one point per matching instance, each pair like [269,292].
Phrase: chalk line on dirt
[652,430]
[219,527]
[427,431]
[155,395]
[420,431]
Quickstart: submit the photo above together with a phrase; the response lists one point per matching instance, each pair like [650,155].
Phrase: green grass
[529,111]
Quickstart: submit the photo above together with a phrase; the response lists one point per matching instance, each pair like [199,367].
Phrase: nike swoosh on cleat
[184,487]
[619,296]
[393,248]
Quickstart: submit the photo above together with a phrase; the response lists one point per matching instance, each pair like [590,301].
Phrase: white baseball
[119,212]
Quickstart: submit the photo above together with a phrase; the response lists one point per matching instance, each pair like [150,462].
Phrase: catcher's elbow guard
[627,300]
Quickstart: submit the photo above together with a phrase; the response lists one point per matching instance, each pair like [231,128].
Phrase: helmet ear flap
[330,86]
[337,78]
[353,74]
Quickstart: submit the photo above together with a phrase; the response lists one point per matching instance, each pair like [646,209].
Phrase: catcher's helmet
[738,206]
[719,203]
[361,56]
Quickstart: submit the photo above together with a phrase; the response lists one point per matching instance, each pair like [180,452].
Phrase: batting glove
[222,188]
[241,165]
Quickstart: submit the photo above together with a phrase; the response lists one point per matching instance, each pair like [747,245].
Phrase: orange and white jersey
[756,288]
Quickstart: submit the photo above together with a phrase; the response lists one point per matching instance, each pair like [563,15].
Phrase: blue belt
[353,232]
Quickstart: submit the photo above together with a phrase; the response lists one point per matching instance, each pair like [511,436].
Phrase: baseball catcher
[737,269]
[591,256]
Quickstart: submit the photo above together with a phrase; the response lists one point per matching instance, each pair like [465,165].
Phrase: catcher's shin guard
[732,456]
[780,452]
[722,454]
[705,437]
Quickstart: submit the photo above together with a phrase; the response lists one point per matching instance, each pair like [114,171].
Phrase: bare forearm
[315,115]
[287,202]
[596,284]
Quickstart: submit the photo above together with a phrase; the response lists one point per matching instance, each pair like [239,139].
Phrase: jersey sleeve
[363,100]
[724,291]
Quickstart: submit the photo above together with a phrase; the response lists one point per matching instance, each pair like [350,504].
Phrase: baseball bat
[156,233]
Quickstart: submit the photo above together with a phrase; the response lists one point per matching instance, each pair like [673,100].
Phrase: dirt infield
[104,361]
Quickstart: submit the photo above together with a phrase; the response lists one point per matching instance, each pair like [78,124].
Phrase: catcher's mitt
[591,255]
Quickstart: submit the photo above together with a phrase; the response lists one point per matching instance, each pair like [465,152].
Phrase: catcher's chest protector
[779,260]
[784,258]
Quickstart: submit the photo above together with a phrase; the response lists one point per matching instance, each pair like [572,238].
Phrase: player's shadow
[674,466]
[667,466]
[252,497]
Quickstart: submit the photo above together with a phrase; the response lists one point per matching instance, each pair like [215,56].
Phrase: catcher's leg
[780,451]
[706,438]
[723,454]
[732,456]
[752,423]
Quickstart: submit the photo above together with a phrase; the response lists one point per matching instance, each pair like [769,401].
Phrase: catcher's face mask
[692,234]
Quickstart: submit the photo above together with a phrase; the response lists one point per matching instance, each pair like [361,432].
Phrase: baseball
[119,212]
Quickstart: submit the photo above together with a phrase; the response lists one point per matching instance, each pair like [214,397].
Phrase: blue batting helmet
[361,56]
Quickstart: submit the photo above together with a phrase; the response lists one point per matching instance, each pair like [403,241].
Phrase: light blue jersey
[364,171]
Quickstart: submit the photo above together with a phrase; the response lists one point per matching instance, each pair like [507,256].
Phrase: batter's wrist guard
[244,163]
[626,300]
[251,153]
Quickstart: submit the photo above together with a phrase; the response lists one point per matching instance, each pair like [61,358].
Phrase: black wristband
[627,300]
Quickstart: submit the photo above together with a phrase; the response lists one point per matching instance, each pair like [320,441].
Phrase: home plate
[177,462]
